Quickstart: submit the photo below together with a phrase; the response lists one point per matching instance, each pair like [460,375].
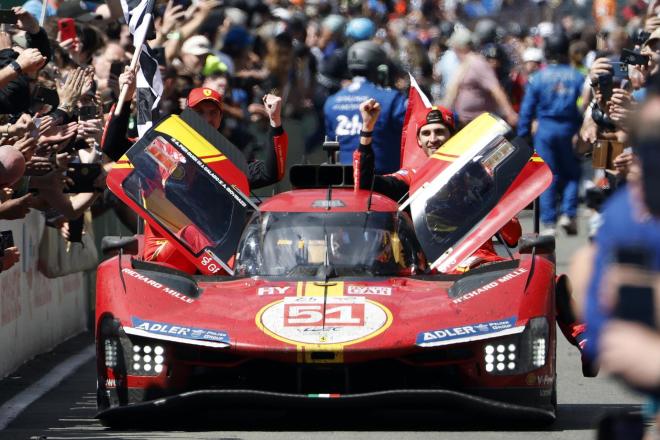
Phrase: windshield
[353,243]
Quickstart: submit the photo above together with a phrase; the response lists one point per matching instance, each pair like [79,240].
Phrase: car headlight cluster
[110,349]
[517,354]
[500,357]
[538,352]
[148,359]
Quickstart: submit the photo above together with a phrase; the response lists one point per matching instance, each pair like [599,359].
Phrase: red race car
[327,296]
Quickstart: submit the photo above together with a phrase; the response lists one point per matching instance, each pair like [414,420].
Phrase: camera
[602,119]
[640,37]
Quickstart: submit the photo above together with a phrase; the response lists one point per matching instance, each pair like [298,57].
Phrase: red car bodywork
[305,341]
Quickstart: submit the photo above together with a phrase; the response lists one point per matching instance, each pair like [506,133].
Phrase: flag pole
[124,89]
[135,59]
[44,6]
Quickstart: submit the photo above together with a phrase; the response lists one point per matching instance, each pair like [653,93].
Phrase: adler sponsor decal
[148,281]
[179,331]
[485,288]
[466,333]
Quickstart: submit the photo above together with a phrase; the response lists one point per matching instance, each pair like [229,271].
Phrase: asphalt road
[67,411]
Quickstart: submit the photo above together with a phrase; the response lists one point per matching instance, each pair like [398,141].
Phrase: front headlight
[520,353]
[148,359]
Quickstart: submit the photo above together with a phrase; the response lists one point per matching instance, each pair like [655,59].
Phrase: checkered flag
[138,15]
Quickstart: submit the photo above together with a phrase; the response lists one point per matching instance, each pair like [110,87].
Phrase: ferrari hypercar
[327,295]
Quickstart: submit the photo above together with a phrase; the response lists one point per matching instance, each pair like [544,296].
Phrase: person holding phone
[621,316]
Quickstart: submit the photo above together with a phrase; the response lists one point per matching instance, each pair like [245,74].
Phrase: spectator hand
[26,21]
[30,60]
[273,105]
[632,351]
[623,162]
[171,17]
[5,40]
[15,209]
[59,133]
[91,128]
[72,88]
[127,78]
[10,257]
[599,67]
[23,126]
[26,145]
[38,166]
[369,110]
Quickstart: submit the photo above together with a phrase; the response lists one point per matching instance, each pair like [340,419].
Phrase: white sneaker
[569,224]
[548,229]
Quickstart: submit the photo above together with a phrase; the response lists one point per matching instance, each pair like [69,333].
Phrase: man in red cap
[435,128]
[207,103]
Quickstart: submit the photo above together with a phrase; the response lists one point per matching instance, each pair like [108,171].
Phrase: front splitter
[194,401]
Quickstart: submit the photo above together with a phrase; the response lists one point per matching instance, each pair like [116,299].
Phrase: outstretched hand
[369,110]
[273,104]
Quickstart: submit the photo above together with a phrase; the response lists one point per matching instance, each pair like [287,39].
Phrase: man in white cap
[532,59]
[194,52]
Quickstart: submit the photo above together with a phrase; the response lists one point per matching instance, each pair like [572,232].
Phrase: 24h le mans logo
[305,320]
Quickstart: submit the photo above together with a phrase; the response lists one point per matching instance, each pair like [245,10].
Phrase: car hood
[353,317]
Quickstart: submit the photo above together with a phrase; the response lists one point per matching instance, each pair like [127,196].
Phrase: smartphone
[619,71]
[184,3]
[635,58]
[87,112]
[67,28]
[76,229]
[605,85]
[83,176]
[8,16]
[6,239]
[635,302]
[641,37]
[117,68]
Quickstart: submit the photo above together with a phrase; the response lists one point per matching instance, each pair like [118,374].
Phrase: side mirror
[111,245]
[544,244]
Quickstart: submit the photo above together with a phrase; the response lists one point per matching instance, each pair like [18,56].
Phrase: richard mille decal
[489,286]
[311,320]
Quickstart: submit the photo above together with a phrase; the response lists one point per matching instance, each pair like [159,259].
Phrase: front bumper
[194,402]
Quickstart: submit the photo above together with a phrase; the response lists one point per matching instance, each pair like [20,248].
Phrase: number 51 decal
[336,315]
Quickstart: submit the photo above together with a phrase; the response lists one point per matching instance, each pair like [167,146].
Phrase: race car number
[312,314]
[317,320]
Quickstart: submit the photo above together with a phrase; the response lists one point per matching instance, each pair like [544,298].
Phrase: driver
[435,128]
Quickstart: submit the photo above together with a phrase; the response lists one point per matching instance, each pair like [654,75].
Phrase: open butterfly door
[189,183]
[457,207]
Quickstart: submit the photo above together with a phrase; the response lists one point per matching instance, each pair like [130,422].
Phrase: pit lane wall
[36,313]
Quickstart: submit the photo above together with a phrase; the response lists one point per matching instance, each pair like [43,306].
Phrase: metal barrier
[36,313]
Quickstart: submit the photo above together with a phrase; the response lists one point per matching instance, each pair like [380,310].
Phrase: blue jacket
[619,228]
[342,119]
[551,93]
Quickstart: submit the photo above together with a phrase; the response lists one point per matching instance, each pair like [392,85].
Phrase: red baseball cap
[203,94]
[438,114]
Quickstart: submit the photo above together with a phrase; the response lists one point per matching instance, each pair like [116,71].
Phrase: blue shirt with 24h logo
[342,120]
